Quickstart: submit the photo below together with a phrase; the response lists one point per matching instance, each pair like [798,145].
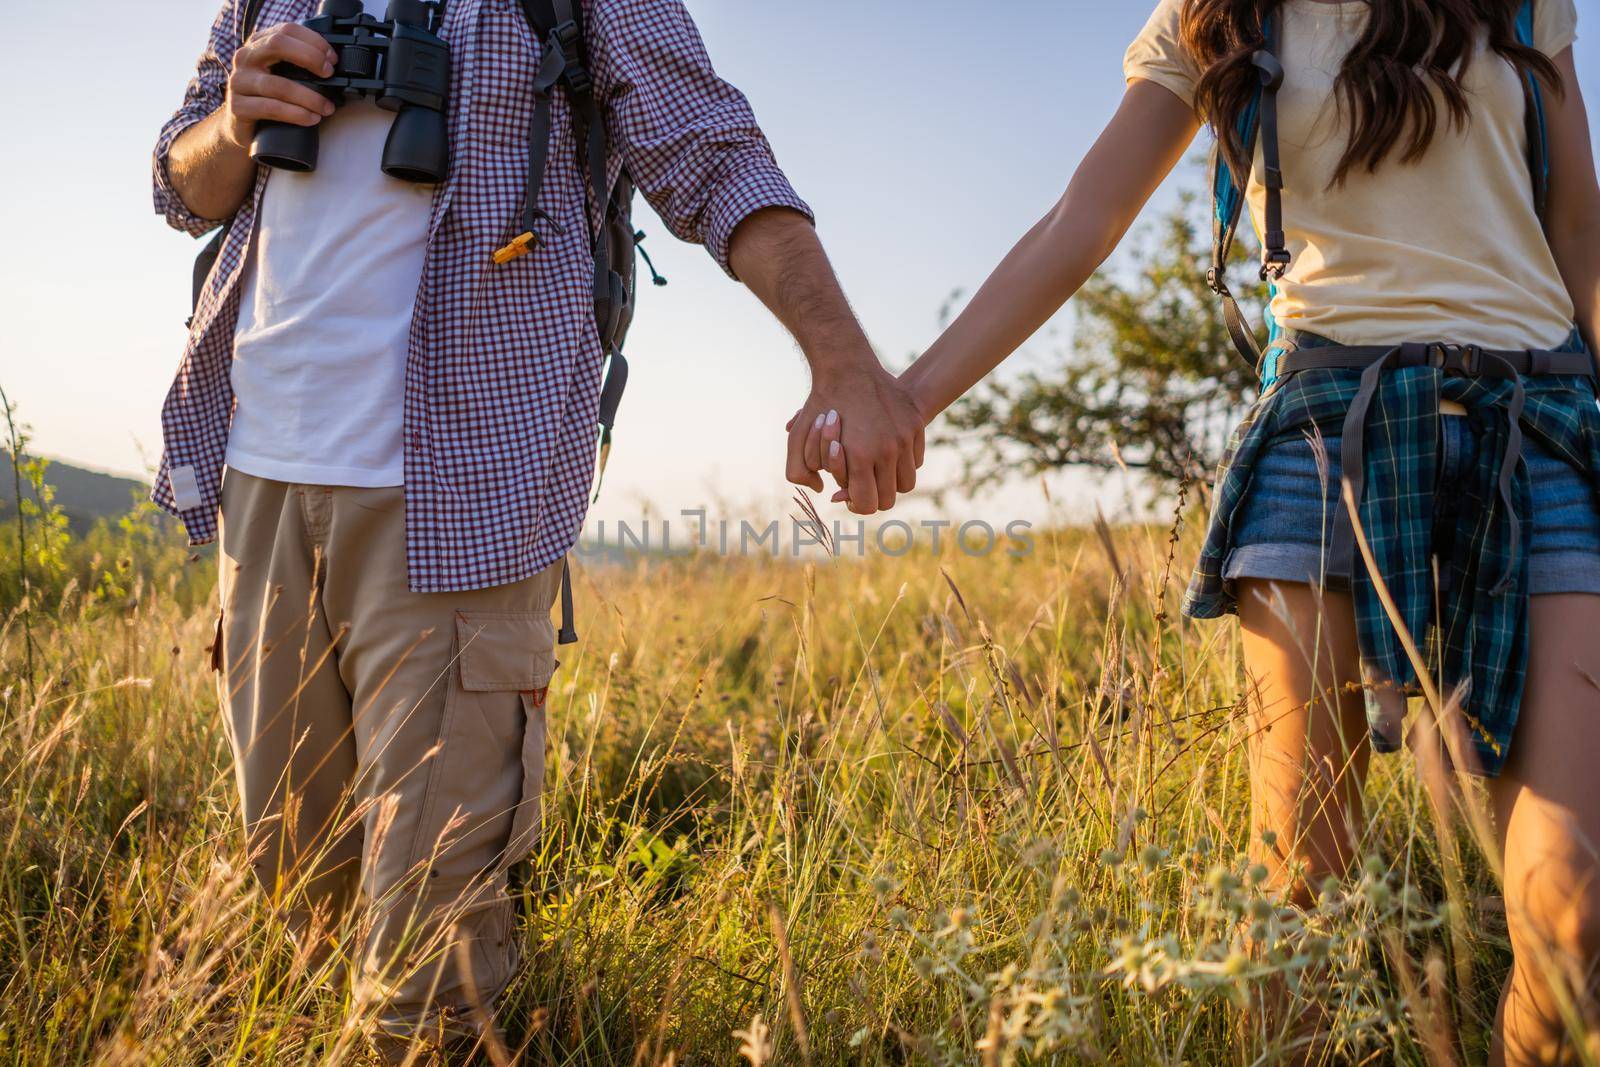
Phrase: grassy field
[915,810]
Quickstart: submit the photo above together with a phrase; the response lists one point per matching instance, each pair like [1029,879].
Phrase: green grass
[909,810]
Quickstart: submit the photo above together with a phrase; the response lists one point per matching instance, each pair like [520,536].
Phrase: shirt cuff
[1175,83]
[754,182]
[167,201]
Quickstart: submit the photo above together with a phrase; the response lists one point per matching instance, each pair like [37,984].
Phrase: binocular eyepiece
[400,61]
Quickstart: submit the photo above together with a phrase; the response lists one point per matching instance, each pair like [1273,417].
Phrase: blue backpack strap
[1227,201]
[1228,196]
[1538,131]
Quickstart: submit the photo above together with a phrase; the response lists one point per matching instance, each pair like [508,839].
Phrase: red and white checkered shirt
[504,371]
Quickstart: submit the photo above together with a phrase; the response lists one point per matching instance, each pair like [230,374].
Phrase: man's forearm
[777,255]
[209,164]
[212,172]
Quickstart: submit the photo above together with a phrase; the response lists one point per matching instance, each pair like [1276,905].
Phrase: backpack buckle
[1460,360]
[569,40]
[1214,280]
[1274,264]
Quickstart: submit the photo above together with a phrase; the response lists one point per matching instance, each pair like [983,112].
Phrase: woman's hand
[777,254]
[824,452]
[1144,140]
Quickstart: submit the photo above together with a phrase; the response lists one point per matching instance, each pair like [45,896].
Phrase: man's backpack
[559,24]
[1260,122]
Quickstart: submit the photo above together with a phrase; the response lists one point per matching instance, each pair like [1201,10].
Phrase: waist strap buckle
[1461,360]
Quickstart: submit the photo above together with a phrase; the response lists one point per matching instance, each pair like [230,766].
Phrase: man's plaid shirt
[1476,639]
[503,378]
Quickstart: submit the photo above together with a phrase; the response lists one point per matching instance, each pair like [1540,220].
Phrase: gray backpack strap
[1258,124]
[252,15]
[558,25]
[561,40]
[564,64]
[1274,252]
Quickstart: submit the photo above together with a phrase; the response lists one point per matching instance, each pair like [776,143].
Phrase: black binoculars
[400,61]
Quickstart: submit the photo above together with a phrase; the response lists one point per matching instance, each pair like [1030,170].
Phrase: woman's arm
[1572,220]
[1138,148]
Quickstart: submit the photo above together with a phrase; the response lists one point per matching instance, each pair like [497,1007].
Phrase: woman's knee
[1553,910]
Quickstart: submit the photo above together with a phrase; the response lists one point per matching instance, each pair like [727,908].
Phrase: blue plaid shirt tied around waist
[504,371]
[1472,621]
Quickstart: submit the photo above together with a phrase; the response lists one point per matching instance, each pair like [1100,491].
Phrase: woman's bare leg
[1308,760]
[1547,806]
[1308,733]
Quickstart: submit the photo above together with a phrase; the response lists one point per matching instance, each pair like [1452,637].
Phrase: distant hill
[85,495]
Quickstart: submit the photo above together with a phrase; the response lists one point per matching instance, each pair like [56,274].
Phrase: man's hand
[210,162]
[776,253]
[255,93]
[863,428]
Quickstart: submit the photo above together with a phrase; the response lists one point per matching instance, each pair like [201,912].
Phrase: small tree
[1153,382]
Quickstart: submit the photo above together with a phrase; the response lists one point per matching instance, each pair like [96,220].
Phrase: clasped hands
[864,428]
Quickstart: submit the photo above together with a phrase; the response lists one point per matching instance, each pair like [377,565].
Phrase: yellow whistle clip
[519,246]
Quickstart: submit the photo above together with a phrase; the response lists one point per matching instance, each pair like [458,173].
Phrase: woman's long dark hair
[1386,89]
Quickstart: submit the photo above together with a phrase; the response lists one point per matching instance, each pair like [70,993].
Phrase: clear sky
[927,134]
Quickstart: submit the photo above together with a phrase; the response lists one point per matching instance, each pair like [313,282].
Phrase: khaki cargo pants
[389,745]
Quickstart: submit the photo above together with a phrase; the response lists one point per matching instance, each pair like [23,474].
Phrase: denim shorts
[1285,522]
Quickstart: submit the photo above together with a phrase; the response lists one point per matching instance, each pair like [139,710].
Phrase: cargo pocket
[481,811]
[529,817]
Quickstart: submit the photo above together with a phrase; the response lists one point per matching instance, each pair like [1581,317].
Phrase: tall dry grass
[947,810]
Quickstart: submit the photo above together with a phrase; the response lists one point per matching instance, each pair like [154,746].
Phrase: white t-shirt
[330,282]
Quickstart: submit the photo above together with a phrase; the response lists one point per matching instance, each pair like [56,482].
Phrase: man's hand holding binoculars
[256,94]
[210,162]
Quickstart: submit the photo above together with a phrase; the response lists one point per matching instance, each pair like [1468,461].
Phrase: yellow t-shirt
[1446,249]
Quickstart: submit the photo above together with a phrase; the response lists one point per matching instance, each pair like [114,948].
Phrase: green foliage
[45,553]
[115,561]
[1152,381]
